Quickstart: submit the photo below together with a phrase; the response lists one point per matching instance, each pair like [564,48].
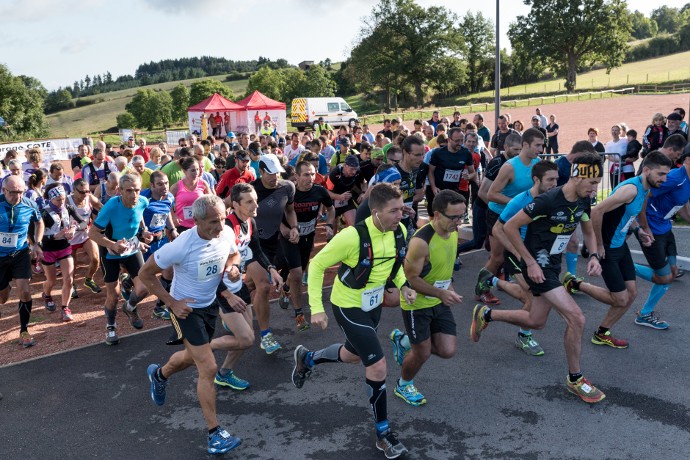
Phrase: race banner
[53,149]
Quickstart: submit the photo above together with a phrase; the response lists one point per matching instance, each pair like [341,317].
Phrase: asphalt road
[489,401]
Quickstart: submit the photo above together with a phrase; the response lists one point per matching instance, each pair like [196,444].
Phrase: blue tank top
[615,224]
[522,180]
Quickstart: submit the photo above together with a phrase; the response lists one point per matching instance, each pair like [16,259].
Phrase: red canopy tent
[211,105]
[263,106]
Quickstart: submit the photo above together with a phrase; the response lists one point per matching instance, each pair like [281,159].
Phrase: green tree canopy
[180,102]
[60,99]
[480,42]
[151,108]
[22,101]
[568,34]
[200,90]
[667,18]
[642,26]
[268,81]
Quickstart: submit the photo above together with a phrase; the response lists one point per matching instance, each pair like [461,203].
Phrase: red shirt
[144,153]
[232,177]
[464,183]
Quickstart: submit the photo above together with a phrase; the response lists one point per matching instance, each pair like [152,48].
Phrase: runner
[447,164]
[346,186]
[240,173]
[357,303]
[544,175]
[295,256]
[59,230]
[236,312]
[429,320]
[17,213]
[85,205]
[186,191]
[108,188]
[613,219]
[656,219]
[158,221]
[199,259]
[513,178]
[116,231]
[550,219]
[97,171]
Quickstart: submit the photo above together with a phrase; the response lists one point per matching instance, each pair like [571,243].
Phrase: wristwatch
[595,254]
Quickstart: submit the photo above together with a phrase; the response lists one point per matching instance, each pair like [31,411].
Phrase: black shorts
[343,209]
[243,294]
[270,247]
[111,267]
[421,324]
[359,327]
[551,280]
[617,267]
[658,253]
[296,255]
[491,218]
[199,326]
[511,264]
[16,266]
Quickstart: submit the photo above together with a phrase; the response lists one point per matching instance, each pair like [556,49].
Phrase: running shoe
[301,323]
[75,294]
[48,300]
[91,284]
[409,394]
[37,268]
[585,390]
[126,285]
[156,387]
[530,346]
[482,285]
[269,344]
[399,350]
[134,319]
[680,273]
[478,322]
[221,442]
[67,314]
[284,300]
[301,371]
[652,321]
[111,337]
[608,339]
[304,278]
[161,313]
[571,283]
[26,340]
[488,298]
[231,380]
[389,444]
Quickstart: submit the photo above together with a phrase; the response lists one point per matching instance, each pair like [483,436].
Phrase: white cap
[270,163]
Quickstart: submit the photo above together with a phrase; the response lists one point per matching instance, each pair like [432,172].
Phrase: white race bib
[372,298]
[451,175]
[209,268]
[627,225]
[158,220]
[340,203]
[673,211]
[187,213]
[9,240]
[132,247]
[441,284]
[560,244]
[306,228]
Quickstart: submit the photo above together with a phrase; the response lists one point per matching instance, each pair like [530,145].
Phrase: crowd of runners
[211,229]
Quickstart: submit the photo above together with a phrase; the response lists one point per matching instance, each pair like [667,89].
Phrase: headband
[56,192]
[585,171]
[389,175]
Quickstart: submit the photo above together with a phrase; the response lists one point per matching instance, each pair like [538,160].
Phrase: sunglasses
[453,218]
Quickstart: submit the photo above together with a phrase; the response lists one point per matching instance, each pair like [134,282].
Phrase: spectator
[593,137]
[482,130]
[542,118]
[618,146]
[143,151]
[673,124]
[552,133]
[517,126]
[683,124]
[655,134]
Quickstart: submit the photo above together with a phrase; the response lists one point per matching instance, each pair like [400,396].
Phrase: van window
[344,107]
[333,107]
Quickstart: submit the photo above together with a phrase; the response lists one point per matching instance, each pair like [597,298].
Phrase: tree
[568,34]
[268,81]
[21,105]
[200,90]
[60,99]
[180,102]
[87,80]
[126,120]
[318,83]
[292,84]
[642,26]
[667,18]
[478,32]
[151,108]
[403,43]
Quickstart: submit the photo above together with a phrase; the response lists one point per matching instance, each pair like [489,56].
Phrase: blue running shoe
[157,387]
[221,442]
[269,344]
[231,380]
[399,350]
[409,394]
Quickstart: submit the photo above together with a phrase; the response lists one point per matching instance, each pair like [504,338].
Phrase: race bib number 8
[9,240]
[560,244]
[372,298]
[209,268]
[451,175]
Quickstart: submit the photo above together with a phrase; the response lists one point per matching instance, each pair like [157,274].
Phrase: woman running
[187,191]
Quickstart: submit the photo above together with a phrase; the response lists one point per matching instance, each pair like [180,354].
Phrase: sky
[60,41]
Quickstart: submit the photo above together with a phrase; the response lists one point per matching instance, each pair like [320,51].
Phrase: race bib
[560,244]
[9,240]
[246,255]
[209,268]
[187,213]
[441,284]
[158,220]
[340,203]
[451,175]
[372,298]
[673,211]
[627,225]
[132,247]
[306,228]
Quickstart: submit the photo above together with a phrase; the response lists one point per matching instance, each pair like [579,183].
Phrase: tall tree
[21,105]
[667,18]
[200,90]
[180,102]
[151,108]
[568,34]
[318,83]
[642,26]
[268,81]
[480,41]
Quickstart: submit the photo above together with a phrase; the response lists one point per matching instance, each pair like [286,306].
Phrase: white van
[334,110]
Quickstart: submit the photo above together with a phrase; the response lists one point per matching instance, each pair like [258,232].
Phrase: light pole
[497,71]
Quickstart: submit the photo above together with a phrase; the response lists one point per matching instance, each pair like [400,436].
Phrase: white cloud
[36,10]
[74,46]
[183,6]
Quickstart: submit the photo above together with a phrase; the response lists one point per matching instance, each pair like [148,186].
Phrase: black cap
[352,161]
[674,116]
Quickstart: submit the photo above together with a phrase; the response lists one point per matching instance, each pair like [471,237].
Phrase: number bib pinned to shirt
[9,240]
[372,298]
[158,220]
[209,268]
[673,211]
[306,228]
[452,175]
[560,244]
[187,213]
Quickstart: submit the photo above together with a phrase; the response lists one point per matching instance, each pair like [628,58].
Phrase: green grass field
[99,117]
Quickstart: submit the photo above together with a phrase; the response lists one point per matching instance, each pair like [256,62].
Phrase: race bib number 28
[209,268]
